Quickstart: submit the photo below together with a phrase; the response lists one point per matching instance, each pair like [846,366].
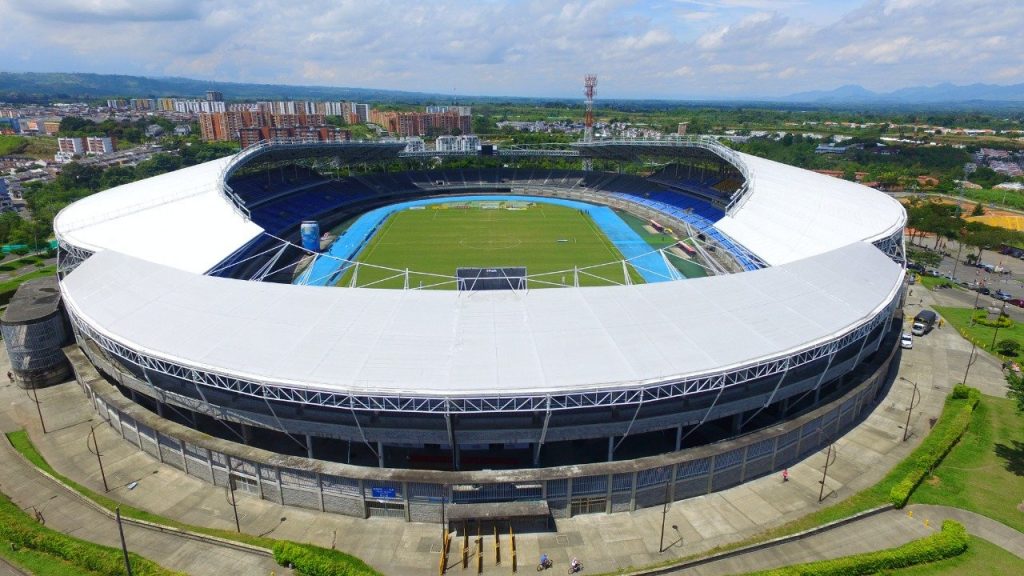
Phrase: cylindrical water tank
[34,331]
[310,233]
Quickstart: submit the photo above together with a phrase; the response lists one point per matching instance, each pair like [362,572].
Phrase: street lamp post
[234,505]
[830,458]
[124,546]
[915,399]
[35,399]
[998,318]
[95,449]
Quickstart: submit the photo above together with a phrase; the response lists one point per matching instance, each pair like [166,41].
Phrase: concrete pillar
[380,454]
[536,454]
[246,434]
[309,446]
[737,422]
[784,406]
[611,448]
[159,408]
[679,438]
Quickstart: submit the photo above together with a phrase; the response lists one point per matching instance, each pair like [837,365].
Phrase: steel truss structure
[570,400]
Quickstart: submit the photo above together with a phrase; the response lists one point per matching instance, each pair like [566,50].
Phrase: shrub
[311,560]
[936,446]
[950,541]
[1001,321]
[1008,347]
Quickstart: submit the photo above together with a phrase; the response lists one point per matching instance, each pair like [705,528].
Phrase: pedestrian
[785,474]
[10,376]
[940,322]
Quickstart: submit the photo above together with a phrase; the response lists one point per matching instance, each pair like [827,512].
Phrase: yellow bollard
[910,513]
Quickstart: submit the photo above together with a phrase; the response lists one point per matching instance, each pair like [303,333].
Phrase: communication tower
[589,82]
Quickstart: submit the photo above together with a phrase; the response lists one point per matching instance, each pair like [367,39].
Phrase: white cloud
[639,48]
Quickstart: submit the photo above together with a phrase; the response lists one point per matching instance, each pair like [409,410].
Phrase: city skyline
[671,49]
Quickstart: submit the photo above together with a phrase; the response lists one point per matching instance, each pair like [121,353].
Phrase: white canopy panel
[180,219]
[413,342]
[791,213]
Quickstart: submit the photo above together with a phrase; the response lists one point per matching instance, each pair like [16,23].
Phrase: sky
[665,49]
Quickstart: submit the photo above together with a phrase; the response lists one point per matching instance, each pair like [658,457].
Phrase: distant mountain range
[40,87]
[940,93]
[26,86]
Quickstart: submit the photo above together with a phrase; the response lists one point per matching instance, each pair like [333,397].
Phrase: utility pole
[998,318]
[915,399]
[124,547]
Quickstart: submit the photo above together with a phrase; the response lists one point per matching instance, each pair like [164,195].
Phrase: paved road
[67,513]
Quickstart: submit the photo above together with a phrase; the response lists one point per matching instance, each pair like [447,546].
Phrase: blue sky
[639,49]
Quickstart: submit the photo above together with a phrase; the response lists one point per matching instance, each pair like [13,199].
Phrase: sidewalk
[605,543]
[66,513]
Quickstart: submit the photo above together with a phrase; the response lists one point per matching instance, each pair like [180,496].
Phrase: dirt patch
[1020,506]
[934,481]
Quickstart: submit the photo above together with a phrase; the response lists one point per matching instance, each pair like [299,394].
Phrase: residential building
[73,146]
[99,145]
[214,96]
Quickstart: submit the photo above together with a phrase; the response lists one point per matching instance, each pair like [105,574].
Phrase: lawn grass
[546,239]
[932,282]
[41,564]
[981,558]
[960,318]
[984,473]
[12,144]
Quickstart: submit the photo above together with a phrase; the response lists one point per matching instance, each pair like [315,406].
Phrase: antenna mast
[589,82]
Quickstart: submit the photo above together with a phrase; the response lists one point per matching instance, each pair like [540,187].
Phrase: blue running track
[326,271]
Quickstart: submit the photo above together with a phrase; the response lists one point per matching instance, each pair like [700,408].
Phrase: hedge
[948,542]
[316,561]
[18,529]
[936,446]
[1001,321]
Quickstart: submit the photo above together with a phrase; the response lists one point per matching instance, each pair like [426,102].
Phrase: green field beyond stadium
[548,240]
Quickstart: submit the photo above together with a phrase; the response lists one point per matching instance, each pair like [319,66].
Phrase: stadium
[592,327]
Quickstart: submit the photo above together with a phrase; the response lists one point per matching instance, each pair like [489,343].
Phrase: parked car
[1019,302]
[907,340]
[984,290]
[1005,296]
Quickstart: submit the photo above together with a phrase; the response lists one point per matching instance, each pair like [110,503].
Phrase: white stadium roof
[181,219]
[153,240]
[414,342]
[790,213]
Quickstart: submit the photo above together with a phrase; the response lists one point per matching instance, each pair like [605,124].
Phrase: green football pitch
[548,240]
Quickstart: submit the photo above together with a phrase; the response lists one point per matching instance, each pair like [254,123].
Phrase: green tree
[1015,383]
[979,210]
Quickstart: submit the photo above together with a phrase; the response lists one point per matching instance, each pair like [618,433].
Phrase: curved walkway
[71,514]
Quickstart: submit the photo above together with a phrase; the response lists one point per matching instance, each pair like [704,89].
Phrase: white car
[907,340]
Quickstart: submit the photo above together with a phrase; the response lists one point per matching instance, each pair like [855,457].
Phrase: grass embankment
[984,473]
[12,144]
[9,287]
[960,319]
[311,560]
[30,544]
[547,239]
